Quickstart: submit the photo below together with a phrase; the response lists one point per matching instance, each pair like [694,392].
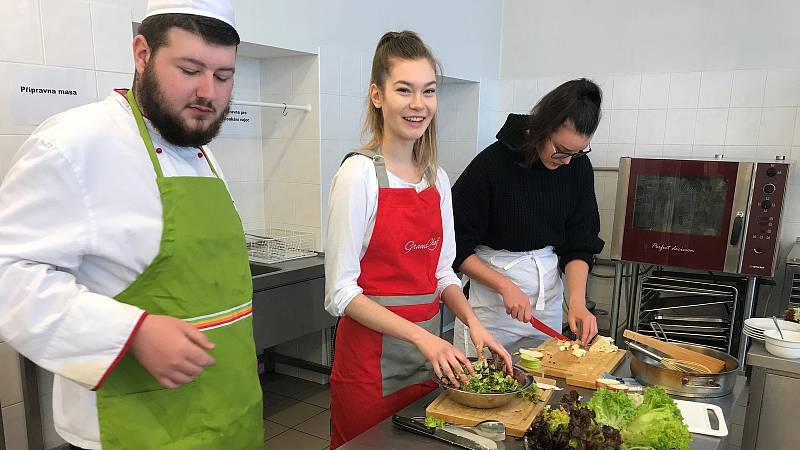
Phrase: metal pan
[648,371]
[484,401]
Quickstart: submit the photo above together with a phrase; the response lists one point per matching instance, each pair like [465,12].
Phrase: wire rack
[279,245]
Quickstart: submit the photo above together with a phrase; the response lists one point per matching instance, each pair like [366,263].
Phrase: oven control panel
[761,241]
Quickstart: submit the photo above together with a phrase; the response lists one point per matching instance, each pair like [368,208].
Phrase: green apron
[201,274]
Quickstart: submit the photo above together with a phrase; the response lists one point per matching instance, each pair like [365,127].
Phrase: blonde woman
[390,249]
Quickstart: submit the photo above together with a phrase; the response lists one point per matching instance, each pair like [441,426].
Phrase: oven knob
[766,204]
[771,172]
[769,188]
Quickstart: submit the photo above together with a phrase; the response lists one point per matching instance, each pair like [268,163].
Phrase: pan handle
[710,384]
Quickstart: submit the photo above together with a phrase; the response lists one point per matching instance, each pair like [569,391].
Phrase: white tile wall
[782,88]
[777,126]
[290,149]
[655,91]
[458,112]
[108,81]
[680,124]
[684,90]
[623,126]
[21,32]
[111,35]
[9,144]
[743,124]
[710,126]
[67,33]
[650,126]
[748,88]
[626,92]
[715,89]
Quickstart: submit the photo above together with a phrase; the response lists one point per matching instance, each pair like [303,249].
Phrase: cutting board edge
[515,430]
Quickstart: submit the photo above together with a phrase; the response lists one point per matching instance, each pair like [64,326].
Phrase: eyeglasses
[559,153]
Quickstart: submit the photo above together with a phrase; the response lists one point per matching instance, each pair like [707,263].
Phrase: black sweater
[502,205]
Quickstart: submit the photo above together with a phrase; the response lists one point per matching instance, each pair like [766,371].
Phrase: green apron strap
[137,114]
[143,132]
[209,163]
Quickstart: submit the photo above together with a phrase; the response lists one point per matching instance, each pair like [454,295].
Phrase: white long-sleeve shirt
[351,219]
[80,220]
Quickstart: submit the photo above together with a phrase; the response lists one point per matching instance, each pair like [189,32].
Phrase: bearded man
[123,266]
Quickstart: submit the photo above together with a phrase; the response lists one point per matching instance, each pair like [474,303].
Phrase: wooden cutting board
[581,372]
[517,415]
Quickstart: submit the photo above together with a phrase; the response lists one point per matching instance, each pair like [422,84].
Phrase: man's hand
[173,351]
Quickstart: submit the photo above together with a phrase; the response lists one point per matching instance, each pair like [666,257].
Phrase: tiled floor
[296,414]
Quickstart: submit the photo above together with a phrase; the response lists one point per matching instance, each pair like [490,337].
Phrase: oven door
[681,213]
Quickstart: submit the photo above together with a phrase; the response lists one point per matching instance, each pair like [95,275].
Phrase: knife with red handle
[541,326]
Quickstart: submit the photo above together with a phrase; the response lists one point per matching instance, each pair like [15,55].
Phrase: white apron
[537,275]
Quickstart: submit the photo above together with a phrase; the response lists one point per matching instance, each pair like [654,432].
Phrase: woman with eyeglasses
[525,213]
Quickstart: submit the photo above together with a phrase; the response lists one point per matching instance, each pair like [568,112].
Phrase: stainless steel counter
[387,437]
[760,357]
[772,410]
[290,272]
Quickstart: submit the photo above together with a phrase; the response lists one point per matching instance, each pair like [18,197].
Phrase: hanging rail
[284,106]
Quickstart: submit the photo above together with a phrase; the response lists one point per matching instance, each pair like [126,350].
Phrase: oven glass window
[688,205]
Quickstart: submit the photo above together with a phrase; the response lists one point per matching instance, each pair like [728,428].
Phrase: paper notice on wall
[37,93]
[242,121]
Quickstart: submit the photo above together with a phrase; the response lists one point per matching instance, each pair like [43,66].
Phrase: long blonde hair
[405,45]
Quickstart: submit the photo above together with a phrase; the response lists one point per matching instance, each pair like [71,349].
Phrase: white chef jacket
[351,218]
[80,220]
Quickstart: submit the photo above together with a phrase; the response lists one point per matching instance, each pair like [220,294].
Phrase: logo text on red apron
[431,245]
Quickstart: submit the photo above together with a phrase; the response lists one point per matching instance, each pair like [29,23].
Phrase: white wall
[628,36]
[680,79]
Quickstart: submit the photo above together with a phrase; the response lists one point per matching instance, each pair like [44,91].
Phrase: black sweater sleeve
[472,195]
[583,225]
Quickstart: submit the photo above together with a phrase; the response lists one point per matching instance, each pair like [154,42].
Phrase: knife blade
[544,328]
[450,434]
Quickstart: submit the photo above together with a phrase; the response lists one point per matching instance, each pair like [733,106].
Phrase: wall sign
[242,121]
[39,92]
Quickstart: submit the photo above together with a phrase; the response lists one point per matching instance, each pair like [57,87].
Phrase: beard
[168,123]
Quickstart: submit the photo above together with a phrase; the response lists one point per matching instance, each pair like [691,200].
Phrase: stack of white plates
[756,326]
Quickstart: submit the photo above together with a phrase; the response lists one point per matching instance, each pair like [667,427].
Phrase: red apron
[376,375]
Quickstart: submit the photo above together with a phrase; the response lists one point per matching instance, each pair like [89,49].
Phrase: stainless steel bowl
[650,372]
[486,401]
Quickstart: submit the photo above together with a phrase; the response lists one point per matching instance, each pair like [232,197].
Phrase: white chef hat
[217,9]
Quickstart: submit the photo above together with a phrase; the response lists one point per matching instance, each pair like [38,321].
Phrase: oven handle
[738,225]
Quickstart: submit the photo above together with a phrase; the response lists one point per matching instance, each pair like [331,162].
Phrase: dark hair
[213,31]
[576,101]
[403,45]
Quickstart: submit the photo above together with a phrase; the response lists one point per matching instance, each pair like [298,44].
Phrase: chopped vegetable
[434,422]
[489,379]
[532,394]
[534,365]
[614,409]
[530,353]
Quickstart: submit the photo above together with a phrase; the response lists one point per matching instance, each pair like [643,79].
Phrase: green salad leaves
[612,420]
[614,409]
[658,424]
[488,379]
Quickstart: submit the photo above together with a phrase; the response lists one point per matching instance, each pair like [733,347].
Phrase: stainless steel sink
[260,269]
